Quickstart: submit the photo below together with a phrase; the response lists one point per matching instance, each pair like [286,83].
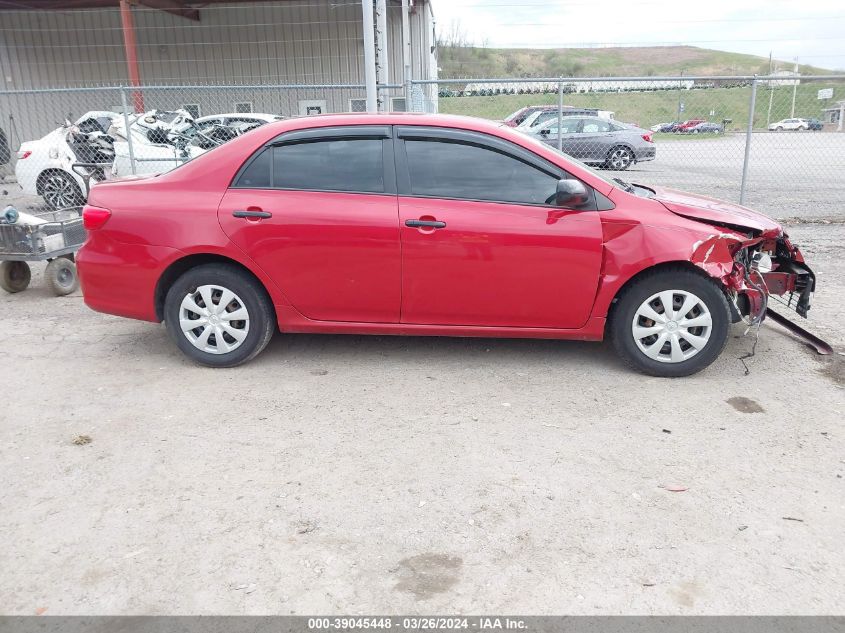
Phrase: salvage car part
[810,339]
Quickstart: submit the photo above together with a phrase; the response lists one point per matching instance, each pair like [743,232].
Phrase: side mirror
[571,194]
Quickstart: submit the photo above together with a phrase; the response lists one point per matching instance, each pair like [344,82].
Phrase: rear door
[317,210]
[594,140]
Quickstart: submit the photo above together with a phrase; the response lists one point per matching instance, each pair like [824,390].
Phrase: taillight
[94,218]
[24,154]
[647,138]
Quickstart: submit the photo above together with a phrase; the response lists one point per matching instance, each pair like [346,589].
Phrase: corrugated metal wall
[313,41]
[281,42]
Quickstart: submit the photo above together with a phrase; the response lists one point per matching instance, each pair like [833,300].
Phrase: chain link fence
[775,144]
[60,141]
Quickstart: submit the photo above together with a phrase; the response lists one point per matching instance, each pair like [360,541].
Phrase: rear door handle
[432,224]
[252,214]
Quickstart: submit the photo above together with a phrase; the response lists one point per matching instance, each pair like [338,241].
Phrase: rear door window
[351,165]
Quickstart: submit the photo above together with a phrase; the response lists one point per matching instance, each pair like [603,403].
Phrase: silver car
[597,141]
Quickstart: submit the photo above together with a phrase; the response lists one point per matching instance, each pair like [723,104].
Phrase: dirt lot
[388,475]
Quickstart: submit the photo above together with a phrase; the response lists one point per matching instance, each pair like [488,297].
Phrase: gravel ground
[409,475]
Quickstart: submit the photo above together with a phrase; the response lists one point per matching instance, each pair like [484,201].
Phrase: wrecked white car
[45,167]
[162,140]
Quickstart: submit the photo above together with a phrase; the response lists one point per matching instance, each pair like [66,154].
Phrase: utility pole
[369,55]
[794,89]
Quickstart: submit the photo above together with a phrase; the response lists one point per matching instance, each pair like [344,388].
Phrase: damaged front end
[756,267]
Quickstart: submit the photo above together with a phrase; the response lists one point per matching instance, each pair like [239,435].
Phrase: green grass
[649,108]
[644,61]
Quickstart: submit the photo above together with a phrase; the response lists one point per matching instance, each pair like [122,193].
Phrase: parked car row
[690,126]
[98,144]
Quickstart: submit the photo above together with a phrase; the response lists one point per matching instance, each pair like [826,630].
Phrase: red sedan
[427,225]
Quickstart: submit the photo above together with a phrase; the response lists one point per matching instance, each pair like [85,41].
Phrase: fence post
[560,116]
[125,106]
[406,54]
[752,106]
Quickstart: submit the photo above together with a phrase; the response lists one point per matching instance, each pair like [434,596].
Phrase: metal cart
[55,239]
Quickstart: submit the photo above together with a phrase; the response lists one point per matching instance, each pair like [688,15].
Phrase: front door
[482,242]
[319,216]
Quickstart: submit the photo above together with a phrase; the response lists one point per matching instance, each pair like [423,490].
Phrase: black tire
[14,276]
[61,276]
[59,190]
[634,296]
[251,294]
[619,158]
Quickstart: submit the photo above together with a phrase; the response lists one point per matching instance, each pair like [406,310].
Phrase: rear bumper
[120,279]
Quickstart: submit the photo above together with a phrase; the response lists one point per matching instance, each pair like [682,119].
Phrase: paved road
[397,475]
[790,174]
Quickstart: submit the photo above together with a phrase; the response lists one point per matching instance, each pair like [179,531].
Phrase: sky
[813,32]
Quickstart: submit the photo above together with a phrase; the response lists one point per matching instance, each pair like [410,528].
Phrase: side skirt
[290,320]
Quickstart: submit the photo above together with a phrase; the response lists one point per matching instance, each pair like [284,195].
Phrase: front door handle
[252,214]
[430,224]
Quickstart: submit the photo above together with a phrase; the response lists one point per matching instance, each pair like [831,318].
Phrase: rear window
[352,165]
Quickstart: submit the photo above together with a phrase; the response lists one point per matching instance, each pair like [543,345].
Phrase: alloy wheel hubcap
[672,326]
[619,159]
[60,192]
[214,319]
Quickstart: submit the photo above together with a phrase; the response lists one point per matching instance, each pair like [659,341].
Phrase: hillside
[646,61]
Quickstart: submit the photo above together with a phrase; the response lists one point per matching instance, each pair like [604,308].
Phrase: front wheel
[620,158]
[670,323]
[218,315]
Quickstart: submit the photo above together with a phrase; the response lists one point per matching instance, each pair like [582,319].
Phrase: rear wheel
[619,158]
[60,190]
[670,323]
[14,276]
[219,315]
